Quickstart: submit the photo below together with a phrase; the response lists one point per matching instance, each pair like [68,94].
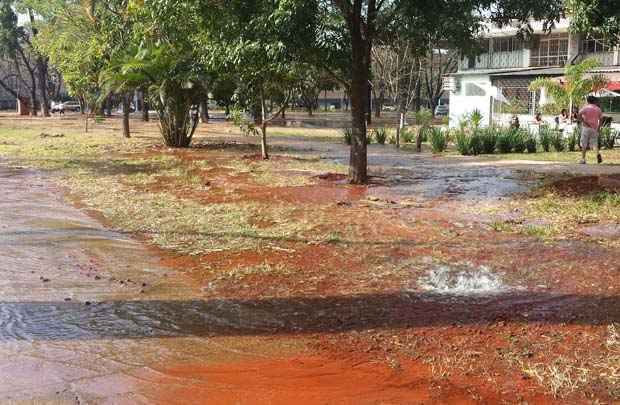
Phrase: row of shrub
[489,140]
[509,140]
[383,135]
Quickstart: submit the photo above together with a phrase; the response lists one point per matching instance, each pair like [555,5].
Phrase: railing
[495,60]
[604,58]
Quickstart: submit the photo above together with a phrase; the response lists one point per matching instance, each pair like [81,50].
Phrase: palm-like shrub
[573,139]
[558,142]
[576,86]
[505,141]
[530,143]
[608,138]
[519,138]
[545,136]
[462,143]
[172,85]
[438,139]
[488,138]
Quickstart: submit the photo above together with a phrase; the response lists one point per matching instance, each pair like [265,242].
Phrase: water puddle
[463,280]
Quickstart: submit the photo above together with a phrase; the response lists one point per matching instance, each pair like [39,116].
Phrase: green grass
[111,174]
[609,156]
[560,215]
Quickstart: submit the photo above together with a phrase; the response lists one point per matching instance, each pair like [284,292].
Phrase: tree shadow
[35,321]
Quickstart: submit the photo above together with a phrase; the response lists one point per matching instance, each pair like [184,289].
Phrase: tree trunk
[145,105]
[126,112]
[34,102]
[379,102]
[204,111]
[359,90]
[263,128]
[401,125]
[42,73]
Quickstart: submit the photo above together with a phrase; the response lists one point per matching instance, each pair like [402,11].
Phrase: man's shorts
[589,137]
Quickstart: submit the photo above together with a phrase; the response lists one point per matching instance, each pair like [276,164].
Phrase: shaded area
[230,317]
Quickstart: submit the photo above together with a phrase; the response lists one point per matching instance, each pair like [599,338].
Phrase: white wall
[460,106]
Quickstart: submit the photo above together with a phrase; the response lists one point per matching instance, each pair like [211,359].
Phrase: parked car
[56,107]
[442,110]
[72,106]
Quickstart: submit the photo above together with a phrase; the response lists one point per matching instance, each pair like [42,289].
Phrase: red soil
[586,185]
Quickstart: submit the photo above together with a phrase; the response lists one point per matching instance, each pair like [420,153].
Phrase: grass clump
[439,140]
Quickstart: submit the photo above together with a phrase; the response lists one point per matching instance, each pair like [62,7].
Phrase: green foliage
[407,135]
[247,128]
[488,138]
[475,119]
[607,138]
[576,85]
[530,143]
[545,137]
[557,141]
[438,139]
[573,139]
[599,18]
[519,139]
[462,141]
[551,109]
[505,141]
[515,106]
[475,143]
[347,135]
[424,117]
[380,135]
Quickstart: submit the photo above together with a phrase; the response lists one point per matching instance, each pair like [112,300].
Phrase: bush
[475,143]
[505,141]
[462,143]
[558,142]
[424,133]
[407,135]
[475,119]
[424,117]
[518,141]
[607,138]
[347,134]
[545,135]
[439,140]
[551,109]
[573,140]
[488,138]
[530,143]
[380,135]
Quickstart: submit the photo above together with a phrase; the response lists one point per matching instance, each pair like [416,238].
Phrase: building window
[595,45]
[550,51]
[507,45]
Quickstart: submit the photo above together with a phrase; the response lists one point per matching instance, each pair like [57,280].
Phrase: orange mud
[447,363]
[313,380]
[586,185]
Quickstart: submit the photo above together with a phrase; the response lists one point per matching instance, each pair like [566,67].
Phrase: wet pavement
[87,314]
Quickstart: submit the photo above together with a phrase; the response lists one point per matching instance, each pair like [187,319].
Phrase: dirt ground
[278,282]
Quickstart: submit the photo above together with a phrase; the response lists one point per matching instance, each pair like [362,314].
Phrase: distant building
[503,73]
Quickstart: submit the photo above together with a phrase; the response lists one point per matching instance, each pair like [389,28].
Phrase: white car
[57,107]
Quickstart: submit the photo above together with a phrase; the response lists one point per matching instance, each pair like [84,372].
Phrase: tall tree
[256,39]
[596,17]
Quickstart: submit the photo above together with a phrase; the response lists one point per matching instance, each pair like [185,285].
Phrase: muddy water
[88,314]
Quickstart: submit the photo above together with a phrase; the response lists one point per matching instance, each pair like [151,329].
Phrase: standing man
[590,118]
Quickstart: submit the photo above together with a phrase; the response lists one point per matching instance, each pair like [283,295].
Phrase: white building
[503,73]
